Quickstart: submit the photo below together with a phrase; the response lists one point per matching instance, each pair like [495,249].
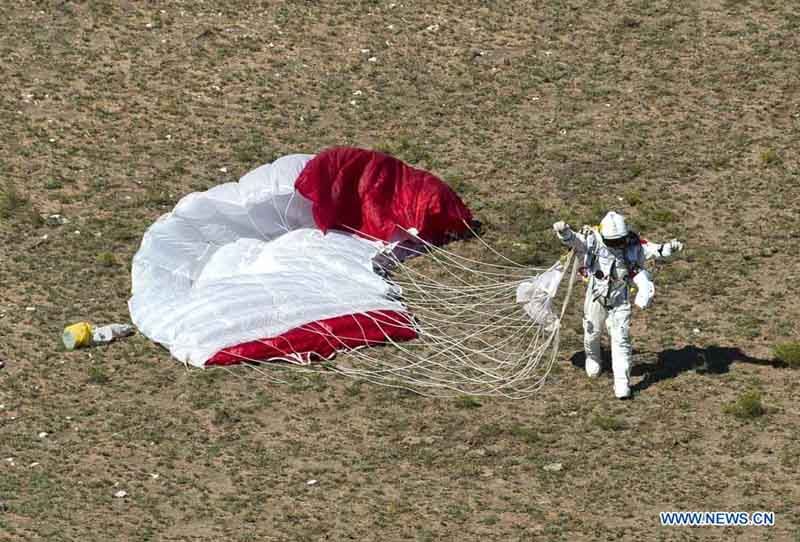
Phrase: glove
[560,227]
[645,289]
[671,247]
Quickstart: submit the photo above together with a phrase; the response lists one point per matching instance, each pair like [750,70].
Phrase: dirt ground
[683,115]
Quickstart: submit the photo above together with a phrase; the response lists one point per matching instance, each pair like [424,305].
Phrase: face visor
[619,242]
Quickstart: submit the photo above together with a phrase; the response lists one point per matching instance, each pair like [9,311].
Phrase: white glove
[671,247]
[560,227]
[645,289]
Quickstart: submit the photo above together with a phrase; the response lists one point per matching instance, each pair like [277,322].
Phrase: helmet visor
[619,242]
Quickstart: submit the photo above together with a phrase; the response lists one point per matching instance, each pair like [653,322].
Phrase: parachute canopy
[373,193]
[281,264]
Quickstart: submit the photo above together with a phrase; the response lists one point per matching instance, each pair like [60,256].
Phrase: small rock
[43,434]
[494,449]
[121,494]
[553,467]
[312,482]
[696,331]
[55,220]
[372,59]
[2,364]
[30,309]
[34,464]
[223,170]
[154,476]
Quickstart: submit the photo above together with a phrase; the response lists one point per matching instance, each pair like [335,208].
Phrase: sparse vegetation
[788,353]
[97,375]
[747,406]
[633,197]
[769,157]
[532,113]
[16,206]
[608,423]
[106,259]
[11,201]
[467,401]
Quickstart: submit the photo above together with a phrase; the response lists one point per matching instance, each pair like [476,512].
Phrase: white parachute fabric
[244,261]
[536,296]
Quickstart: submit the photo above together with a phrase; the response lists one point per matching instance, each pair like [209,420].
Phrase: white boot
[592,368]
[621,389]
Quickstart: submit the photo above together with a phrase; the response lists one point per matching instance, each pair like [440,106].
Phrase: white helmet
[613,226]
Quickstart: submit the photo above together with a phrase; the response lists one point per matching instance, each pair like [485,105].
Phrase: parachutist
[613,259]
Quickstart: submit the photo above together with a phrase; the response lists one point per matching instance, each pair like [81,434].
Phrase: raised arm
[660,250]
[575,241]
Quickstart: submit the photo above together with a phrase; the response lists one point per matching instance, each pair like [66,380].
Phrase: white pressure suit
[610,272]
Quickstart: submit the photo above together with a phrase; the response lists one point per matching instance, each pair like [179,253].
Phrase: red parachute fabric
[323,338]
[372,193]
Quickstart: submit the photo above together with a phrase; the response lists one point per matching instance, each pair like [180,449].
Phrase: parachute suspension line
[424,248]
[473,336]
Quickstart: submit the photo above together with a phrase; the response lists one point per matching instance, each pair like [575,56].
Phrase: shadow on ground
[671,362]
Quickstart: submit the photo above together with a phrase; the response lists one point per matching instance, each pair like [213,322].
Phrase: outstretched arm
[661,250]
[575,241]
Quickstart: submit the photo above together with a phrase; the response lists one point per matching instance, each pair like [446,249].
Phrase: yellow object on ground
[77,335]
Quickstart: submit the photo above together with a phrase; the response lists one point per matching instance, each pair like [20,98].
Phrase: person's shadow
[670,363]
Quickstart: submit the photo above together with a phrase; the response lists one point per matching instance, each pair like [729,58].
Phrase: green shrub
[467,401]
[633,197]
[97,375]
[747,407]
[769,157]
[788,353]
[106,259]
